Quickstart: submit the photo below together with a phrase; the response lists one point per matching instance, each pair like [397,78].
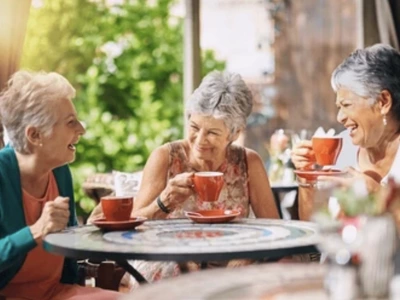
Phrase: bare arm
[303,158]
[154,184]
[261,197]
[306,202]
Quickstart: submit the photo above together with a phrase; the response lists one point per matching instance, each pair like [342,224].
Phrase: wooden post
[13,22]
[192,57]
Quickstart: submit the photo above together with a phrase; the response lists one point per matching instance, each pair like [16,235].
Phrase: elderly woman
[36,195]
[216,115]
[367,85]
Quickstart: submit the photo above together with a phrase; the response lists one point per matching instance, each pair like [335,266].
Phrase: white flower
[112,49]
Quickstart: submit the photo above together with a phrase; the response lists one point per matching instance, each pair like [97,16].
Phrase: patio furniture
[293,209]
[106,274]
[181,240]
[98,185]
[266,281]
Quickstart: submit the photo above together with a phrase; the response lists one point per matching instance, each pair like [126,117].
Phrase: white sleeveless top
[348,157]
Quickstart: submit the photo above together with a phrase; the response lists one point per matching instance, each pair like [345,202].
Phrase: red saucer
[212,216]
[312,175]
[119,225]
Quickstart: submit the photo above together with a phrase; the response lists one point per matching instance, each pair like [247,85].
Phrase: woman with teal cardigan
[36,195]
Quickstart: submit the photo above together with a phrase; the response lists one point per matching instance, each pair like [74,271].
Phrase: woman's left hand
[353,175]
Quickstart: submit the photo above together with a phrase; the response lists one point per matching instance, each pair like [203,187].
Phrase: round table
[182,240]
[277,189]
[267,281]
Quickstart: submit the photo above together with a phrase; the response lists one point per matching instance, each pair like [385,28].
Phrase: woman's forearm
[306,202]
[151,211]
[15,245]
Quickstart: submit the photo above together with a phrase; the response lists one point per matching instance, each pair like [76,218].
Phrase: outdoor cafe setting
[199,149]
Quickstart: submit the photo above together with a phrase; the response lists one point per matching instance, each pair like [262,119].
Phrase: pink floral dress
[234,195]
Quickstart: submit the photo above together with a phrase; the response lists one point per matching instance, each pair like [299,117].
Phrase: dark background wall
[311,38]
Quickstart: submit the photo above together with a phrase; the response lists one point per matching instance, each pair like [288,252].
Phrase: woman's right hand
[303,156]
[178,189]
[54,217]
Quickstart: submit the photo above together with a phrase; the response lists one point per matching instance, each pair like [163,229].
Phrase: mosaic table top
[268,281]
[183,240]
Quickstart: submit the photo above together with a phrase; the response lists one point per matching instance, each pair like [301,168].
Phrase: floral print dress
[234,195]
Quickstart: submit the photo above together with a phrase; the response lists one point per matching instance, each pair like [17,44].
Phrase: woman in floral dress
[216,115]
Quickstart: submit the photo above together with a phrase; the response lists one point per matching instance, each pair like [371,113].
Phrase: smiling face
[208,137]
[361,119]
[59,147]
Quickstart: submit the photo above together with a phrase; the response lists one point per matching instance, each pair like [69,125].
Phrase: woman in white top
[367,86]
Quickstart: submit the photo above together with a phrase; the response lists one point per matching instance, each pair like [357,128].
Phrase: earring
[384,120]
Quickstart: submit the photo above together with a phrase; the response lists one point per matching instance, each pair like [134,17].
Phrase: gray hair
[29,100]
[222,95]
[367,72]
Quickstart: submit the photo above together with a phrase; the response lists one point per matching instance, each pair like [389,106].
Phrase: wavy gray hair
[222,95]
[29,100]
[366,72]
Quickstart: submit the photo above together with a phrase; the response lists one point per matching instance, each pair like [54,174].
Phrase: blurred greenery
[125,60]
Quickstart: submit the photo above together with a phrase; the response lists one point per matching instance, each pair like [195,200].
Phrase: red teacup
[117,208]
[208,185]
[327,149]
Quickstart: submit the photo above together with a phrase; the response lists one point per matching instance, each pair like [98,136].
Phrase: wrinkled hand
[97,213]
[54,217]
[303,156]
[178,189]
[353,175]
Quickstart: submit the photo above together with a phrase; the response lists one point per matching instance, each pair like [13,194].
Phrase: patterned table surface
[183,240]
[268,281]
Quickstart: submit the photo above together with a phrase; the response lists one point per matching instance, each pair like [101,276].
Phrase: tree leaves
[126,63]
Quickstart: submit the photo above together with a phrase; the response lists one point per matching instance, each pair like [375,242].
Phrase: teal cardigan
[16,239]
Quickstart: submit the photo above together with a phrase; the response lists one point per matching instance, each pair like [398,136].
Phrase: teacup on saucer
[208,185]
[212,216]
[312,175]
[130,224]
[117,208]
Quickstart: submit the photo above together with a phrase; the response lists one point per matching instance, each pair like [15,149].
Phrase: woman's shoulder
[8,162]
[7,155]
[244,151]
[252,156]
[243,156]
[178,148]
[167,150]
[178,144]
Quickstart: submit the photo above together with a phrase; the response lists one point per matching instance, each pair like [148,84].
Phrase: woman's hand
[178,189]
[54,217]
[303,156]
[352,176]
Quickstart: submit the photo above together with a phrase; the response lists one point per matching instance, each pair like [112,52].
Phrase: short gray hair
[29,100]
[367,72]
[222,95]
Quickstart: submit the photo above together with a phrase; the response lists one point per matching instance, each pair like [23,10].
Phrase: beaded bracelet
[162,206]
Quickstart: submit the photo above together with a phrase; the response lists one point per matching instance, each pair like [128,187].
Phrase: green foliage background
[126,63]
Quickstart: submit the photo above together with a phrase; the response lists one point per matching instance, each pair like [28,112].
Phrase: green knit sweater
[16,239]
